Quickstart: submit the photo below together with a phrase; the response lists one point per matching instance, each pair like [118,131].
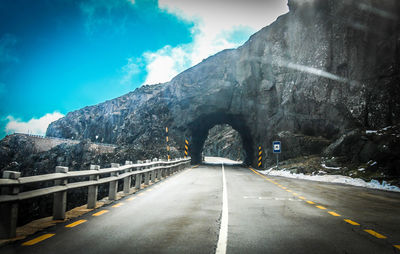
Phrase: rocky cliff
[326,68]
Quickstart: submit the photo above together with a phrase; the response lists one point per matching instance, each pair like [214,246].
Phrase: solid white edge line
[223,231]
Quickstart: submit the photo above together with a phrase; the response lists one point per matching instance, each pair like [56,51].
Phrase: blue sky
[61,55]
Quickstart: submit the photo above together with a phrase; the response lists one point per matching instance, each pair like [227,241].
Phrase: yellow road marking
[352,222]
[376,234]
[257,173]
[195,166]
[369,231]
[141,193]
[150,189]
[118,205]
[132,198]
[334,214]
[100,213]
[76,223]
[38,239]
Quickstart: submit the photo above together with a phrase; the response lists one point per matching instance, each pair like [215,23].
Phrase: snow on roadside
[373,184]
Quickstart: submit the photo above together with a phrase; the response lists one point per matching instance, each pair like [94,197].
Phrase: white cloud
[214,21]
[165,63]
[129,70]
[33,126]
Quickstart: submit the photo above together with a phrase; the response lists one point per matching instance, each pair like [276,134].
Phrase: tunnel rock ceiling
[316,73]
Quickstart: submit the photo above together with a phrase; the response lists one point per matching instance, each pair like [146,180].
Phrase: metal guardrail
[141,171]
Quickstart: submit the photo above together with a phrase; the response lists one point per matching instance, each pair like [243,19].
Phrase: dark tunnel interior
[200,127]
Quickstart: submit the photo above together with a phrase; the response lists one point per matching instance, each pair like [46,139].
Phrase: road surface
[231,209]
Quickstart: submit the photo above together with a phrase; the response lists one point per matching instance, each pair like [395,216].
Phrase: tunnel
[200,127]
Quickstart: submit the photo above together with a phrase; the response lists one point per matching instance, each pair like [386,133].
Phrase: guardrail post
[128,179]
[60,198]
[147,178]
[113,186]
[138,181]
[93,190]
[9,211]
[159,174]
[153,175]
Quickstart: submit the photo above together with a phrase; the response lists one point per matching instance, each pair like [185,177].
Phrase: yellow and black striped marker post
[167,140]
[259,156]
[186,148]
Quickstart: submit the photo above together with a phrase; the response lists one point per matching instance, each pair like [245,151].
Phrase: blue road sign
[276,145]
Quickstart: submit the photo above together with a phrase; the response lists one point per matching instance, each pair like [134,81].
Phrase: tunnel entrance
[201,126]
[223,141]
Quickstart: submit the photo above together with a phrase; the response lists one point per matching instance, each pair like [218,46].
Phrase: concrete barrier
[9,211]
[60,198]
[93,190]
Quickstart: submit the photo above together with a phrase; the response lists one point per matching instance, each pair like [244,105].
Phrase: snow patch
[373,184]
[220,160]
[325,166]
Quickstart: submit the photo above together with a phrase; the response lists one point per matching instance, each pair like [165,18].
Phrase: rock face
[325,68]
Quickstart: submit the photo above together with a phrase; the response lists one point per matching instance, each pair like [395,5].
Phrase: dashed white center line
[223,231]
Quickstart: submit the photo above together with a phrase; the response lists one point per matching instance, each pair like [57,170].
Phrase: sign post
[276,146]
[186,148]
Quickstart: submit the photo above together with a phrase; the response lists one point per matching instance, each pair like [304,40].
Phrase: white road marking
[223,231]
[272,198]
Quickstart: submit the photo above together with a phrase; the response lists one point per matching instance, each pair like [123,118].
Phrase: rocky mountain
[318,73]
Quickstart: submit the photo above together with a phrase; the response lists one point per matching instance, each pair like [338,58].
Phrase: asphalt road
[187,213]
